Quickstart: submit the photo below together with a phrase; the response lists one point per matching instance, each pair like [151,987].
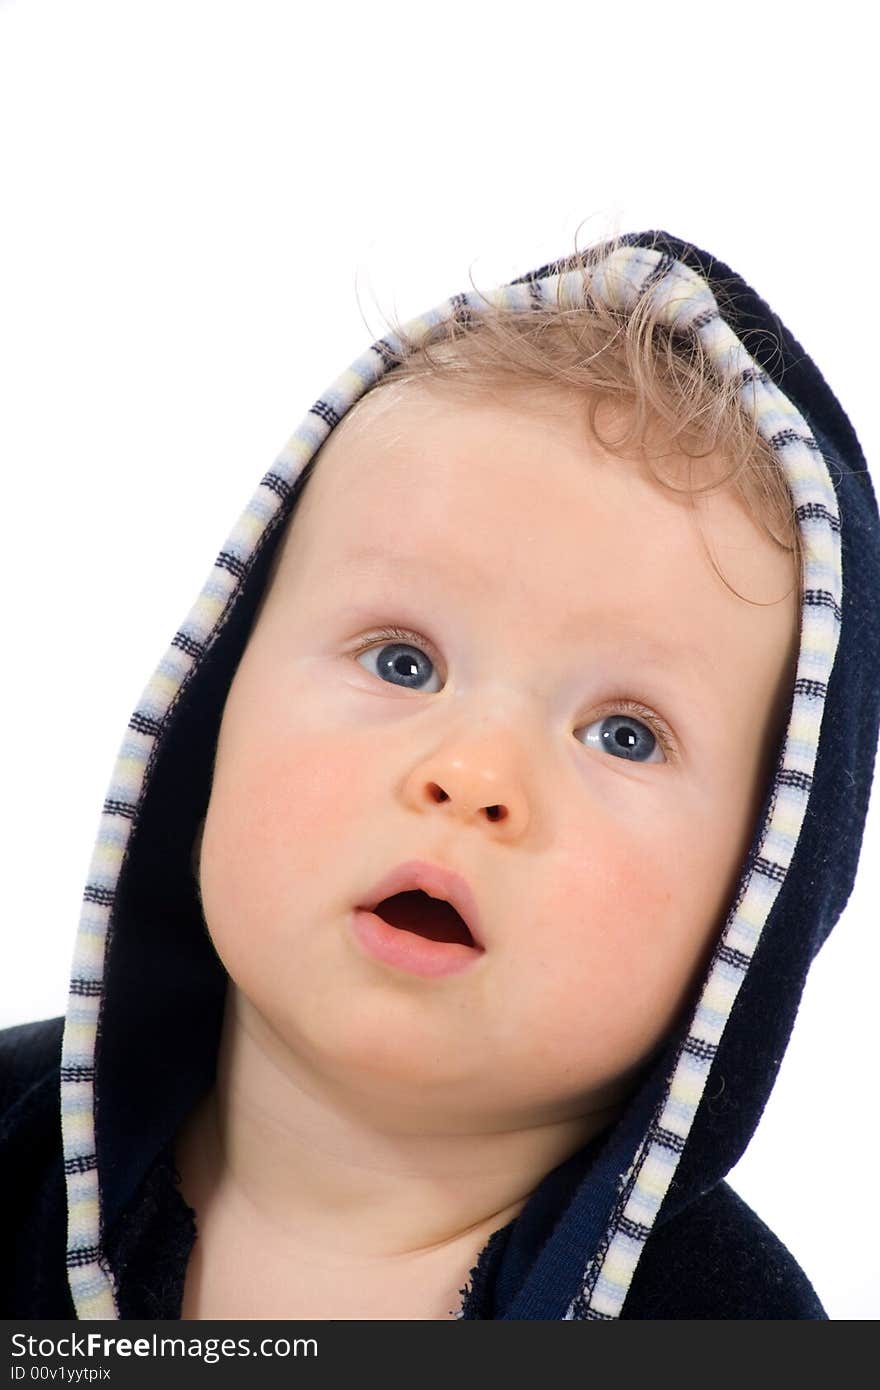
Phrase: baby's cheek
[617,904]
[633,930]
[285,817]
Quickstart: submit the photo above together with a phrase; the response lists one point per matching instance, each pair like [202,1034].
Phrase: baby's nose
[477,785]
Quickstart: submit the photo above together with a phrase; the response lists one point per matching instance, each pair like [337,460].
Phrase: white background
[202,203]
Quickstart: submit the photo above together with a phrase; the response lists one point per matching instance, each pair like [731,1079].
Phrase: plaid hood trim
[621,280]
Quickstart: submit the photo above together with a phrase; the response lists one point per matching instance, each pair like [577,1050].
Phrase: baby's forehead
[453,470]
[399,439]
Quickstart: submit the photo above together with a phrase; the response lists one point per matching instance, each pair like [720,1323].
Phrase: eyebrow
[656,650]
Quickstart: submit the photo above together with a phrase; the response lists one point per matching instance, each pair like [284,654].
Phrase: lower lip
[410,952]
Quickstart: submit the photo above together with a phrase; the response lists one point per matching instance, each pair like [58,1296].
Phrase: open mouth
[432,918]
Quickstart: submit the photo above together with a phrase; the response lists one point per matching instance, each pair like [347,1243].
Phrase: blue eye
[625,737]
[401,663]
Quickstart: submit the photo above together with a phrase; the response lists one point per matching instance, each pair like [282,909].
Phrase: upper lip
[435,880]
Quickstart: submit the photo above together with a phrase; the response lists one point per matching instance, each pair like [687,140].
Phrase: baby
[493,765]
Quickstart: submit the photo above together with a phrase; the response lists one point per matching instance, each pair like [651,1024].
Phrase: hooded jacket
[638,1224]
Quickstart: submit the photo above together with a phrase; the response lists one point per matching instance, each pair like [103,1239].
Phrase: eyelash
[619,703]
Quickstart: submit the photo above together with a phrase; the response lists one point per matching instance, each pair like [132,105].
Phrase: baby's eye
[624,736]
[400,663]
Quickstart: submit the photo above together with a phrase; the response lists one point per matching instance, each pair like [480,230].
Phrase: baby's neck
[286,1149]
[241,1266]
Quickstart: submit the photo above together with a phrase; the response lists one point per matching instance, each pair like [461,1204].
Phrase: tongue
[425,916]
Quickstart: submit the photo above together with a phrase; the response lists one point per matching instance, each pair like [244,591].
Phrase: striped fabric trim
[620,280]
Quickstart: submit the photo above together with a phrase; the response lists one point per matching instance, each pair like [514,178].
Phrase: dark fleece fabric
[708,1255]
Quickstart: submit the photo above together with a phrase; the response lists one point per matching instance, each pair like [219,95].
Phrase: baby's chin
[386,1064]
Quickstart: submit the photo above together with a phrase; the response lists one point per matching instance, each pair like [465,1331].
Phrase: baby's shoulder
[716,1258]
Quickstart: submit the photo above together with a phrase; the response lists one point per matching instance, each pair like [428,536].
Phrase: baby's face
[549,589]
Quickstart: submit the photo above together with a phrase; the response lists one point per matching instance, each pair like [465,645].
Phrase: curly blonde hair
[667,399]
